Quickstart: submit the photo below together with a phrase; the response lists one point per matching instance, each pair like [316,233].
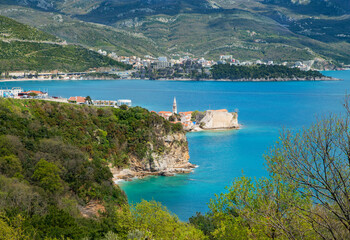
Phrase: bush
[47,176]
[10,165]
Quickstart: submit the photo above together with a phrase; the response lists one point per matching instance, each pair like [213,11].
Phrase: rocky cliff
[173,159]
[219,119]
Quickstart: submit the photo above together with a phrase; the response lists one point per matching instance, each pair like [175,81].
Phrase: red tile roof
[33,91]
[185,113]
[221,110]
[77,99]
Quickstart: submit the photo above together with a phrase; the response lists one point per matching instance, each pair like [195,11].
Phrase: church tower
[174,106]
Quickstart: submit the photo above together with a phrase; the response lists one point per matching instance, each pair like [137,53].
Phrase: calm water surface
[264,109]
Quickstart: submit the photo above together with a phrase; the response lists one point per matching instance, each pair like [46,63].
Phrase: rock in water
[219,119]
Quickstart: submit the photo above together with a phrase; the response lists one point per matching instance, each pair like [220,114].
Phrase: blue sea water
[264,109]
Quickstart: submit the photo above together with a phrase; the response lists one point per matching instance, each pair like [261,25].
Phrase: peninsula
[199,121]
[222,71]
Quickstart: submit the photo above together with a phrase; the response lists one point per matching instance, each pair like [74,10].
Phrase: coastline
[184,79]
[249,80]
[126,174]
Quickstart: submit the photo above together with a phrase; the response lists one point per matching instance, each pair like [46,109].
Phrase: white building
[104,103]
[126,102]
[13,92]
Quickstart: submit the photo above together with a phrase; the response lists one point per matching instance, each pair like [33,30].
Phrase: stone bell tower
[174,106]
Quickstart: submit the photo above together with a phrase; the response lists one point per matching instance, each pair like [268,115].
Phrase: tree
[7,232]
[88,100]
[260,209]
[317,162]
[158,223]
[47,176]
[10,165]
[203,222]
[124,107]
[11,228]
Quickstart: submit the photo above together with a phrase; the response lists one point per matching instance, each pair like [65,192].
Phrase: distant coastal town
[149,67]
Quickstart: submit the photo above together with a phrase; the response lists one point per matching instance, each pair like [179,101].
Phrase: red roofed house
[185,116]
[77,100]
[165,114]
[36,93]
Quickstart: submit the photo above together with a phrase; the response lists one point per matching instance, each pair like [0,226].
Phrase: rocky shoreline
[129,175]
[173,160]
[175,157]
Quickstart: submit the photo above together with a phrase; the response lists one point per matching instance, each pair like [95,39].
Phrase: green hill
[26,48]
[279,30]
[10,29]
[55,181]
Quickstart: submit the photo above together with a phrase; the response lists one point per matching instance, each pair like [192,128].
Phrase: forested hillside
[226,71]
[55,179]
[26,48]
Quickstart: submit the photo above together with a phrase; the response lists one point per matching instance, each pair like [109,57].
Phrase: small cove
[264,109]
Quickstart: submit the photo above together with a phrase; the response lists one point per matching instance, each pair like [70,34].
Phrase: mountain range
[278,30]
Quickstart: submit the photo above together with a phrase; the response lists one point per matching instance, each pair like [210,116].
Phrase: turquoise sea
[264,109]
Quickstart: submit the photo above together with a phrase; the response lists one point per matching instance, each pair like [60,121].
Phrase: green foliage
[111,236]
[47,176]
[197,116]
[7,232]
[58,156]
[10,29]
[11,229]
[158,223]
[57,223]
[227,71]
[16,56]
[261,209]
[22,196]
[136,235]
[10,165]
[177,127]
[203,222]
[316,161]
[26,48]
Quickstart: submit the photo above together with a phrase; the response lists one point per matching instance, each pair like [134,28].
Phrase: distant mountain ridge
[315,7]
[279,30]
